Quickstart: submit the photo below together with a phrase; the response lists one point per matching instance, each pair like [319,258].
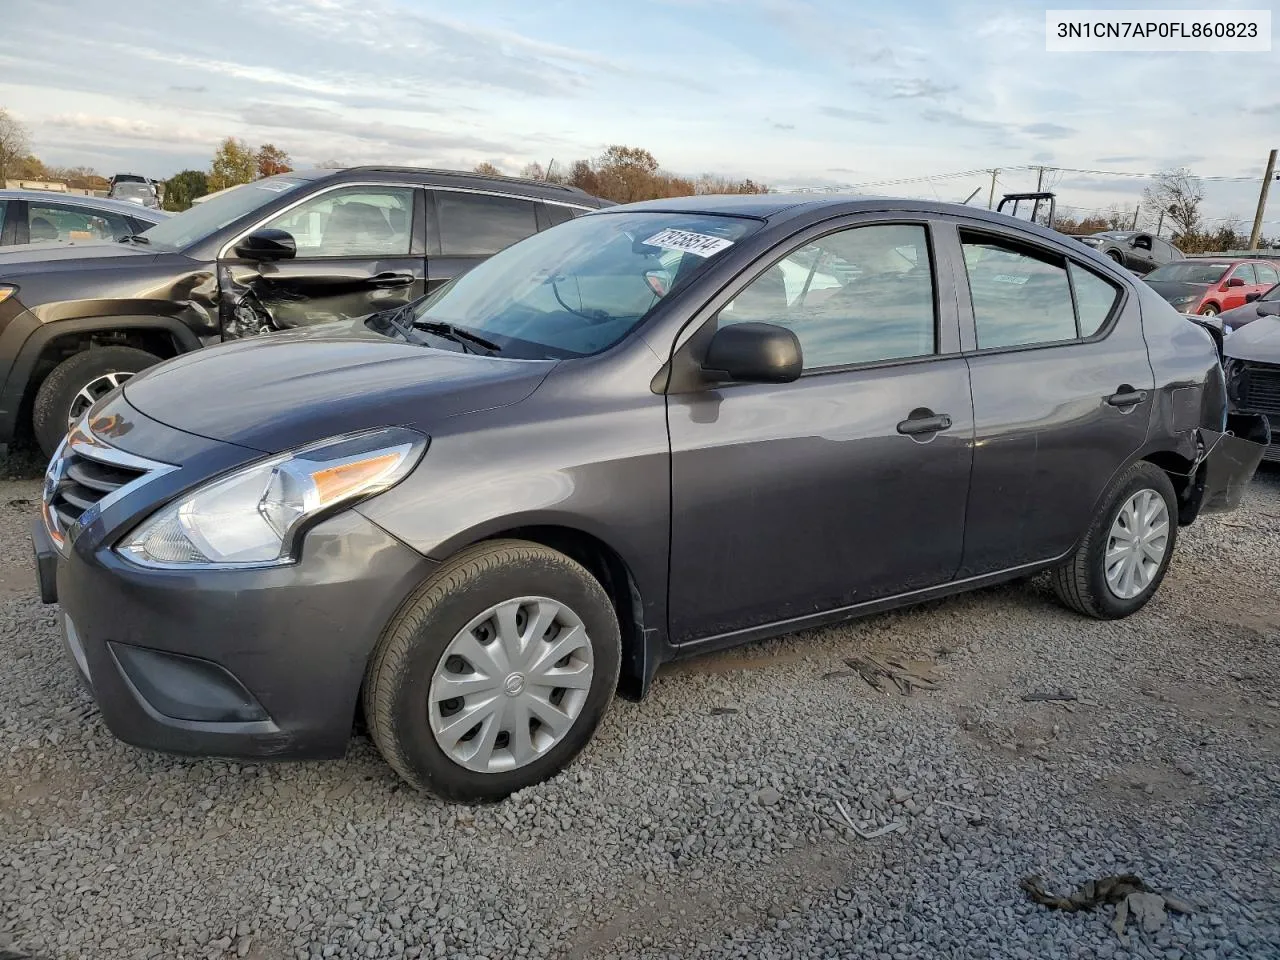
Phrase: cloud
[844,113]
[918,88]
[957,118]
[1123,159]
[1048,131]
[313,124]
[1267,108]
[125,127]
[780,126]
[180,88]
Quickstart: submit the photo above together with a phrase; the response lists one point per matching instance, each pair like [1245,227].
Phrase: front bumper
[262,663]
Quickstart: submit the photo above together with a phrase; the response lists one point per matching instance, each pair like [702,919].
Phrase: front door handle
[391,279]
[915,426]
[1127,397]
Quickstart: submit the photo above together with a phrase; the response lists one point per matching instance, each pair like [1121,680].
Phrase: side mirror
[1235,282]
[1250,297]
[753,353]
[267,244]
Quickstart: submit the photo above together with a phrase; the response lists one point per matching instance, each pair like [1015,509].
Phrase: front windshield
[581,287]
[215,213]
[1189,272]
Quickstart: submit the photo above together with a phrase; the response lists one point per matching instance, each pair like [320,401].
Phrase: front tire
[495,674]
[1123,557]
[1209,311]
[74,385]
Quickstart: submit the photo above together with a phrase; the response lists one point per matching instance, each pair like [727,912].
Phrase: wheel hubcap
[1137,544]
[92,392]
[511,684]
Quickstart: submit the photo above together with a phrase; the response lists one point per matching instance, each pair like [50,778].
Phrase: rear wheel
[1117,256]
[1209,310]
[495,674]
[1123,558]
[76,384]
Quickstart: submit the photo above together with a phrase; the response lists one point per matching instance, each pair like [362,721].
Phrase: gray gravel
[704,822]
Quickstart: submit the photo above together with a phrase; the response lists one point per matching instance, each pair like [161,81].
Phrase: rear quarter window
[1095,299]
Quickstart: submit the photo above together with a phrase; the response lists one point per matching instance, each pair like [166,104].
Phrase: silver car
[41,216]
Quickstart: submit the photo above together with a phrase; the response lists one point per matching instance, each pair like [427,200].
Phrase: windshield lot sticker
[1009,278]
[276,186]
[699,244]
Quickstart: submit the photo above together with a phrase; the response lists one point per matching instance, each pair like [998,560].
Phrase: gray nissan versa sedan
[648,432]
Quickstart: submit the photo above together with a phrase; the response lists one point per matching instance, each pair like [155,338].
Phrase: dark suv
[651,431]
[287,251]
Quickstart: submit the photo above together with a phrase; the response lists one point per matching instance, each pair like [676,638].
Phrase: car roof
[92,203]
[777,207]
[461,179]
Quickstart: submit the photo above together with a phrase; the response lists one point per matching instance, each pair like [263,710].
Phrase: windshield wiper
[136,238]
[458,335]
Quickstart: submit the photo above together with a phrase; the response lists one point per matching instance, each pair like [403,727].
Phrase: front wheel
[1209,311]
[76,384]
[1124,555]
[495,674]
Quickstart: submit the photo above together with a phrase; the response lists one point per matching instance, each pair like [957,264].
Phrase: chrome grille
[85,476]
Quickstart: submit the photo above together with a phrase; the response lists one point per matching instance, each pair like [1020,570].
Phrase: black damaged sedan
[652,431]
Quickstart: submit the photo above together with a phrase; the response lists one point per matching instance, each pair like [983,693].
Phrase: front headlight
[253,517]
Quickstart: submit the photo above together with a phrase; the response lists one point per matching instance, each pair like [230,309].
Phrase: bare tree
[487,169]
[1178,193]
[13,144]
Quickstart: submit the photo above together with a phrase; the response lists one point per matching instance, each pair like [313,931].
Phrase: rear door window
[1267,275]
[1020,296]
[479,224]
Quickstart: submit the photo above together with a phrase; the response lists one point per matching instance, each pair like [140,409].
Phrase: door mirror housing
[1250,297]
[267,244]
[1235,282]
[753,353]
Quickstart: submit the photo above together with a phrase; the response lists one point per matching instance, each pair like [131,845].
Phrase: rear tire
[1210,310]
[1082,583]
[1116,256]
[73,385]
[432,642]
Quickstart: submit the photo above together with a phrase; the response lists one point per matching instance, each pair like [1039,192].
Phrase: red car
[1210,285]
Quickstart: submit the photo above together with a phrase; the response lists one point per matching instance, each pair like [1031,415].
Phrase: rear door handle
[1127,398]
[391,279]
[914,426]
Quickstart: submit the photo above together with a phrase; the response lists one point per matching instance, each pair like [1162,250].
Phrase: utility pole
[1135,216]
[1160,225]
[1262,202]
[991,197]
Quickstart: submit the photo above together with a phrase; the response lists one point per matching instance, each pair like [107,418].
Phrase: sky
[794,93]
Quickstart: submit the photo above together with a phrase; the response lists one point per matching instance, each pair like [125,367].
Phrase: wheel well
[151,339]
[1186,484]
[603,563]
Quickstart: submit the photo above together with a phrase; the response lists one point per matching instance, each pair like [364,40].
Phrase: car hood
[1258,341]
[1173,289]
[285,390]
[35,257]
[1239,316]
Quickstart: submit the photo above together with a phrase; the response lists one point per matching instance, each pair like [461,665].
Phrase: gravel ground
[705,821]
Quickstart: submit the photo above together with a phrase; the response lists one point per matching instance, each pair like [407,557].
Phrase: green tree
[183,189]
[233,163]
[272,160]
[13,144]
